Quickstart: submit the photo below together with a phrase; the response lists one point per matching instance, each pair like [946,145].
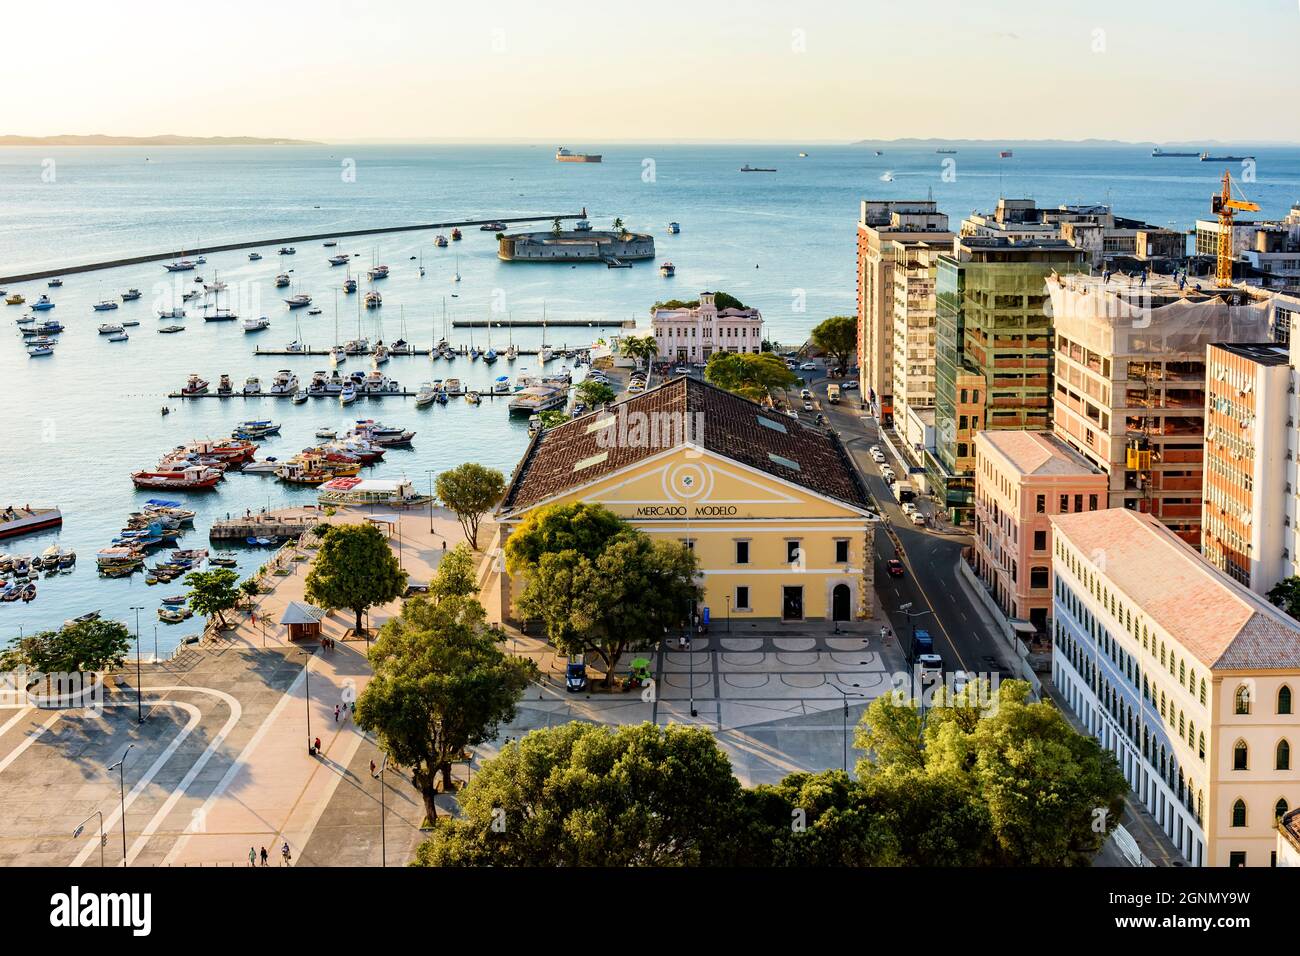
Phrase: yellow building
[773,508]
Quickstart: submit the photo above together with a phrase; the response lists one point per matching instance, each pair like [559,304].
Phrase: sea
[76,424]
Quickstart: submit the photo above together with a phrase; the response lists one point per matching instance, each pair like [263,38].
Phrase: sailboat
[337,354]
[544,353]
[456,278]
[512,350]
[421,263]
[490,355]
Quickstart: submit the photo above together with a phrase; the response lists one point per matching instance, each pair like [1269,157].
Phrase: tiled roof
[1221,623]
[1036,453]
[1290,827]
[577,453]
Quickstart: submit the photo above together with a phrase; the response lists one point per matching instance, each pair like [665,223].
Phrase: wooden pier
[262,526]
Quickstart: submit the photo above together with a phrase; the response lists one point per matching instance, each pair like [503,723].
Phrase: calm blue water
[79,422]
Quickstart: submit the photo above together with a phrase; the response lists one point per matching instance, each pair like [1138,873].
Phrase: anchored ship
[563,155]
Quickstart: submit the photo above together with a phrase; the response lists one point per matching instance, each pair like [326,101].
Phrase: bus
[833,394]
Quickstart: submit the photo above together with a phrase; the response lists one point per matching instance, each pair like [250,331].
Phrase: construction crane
[1225,207]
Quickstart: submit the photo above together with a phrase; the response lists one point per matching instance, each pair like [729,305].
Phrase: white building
[1188,677]
[692,335]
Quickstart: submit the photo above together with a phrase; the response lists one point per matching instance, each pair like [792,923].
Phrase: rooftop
[1222,624]
[1290,827]
[1035,453]
[1263,353]
[573,454]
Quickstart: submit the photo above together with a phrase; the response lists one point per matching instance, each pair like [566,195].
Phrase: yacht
[216,286]
[104,305]
[176,312]
[546,354]
[180,265]
[252,385]
[43,348]
[284,383]
[425,395]
[254,256]
[108,328]
[219,315]
[317,384]
[348,394]
[130,295]
[295,346]
[43,304]
[298,301]
[338,354]
[257,325]
[224,387]
[282,280]
[195,386]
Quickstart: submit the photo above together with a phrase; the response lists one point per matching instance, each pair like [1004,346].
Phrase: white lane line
[238,765]
[113,817]
[30,739]
[23,711]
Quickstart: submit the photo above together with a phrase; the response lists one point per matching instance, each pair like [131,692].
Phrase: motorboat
[349,284]
[674,228]
[27,319]
[300,396]
[330,243]
[55,283]
[190,296]
[451,386]
[348,395]
[287,250]
[425,395]
[108,328]
[327,433]
[376,381]
[254,256]
[284,383]
[224,387]
[472,398]
[176,312]
[667,270]
[257,325]
[282,280]
[15,299]
[44,304]
[440,241]
[195,386]
[492,227]
[373,299]
[314,310]
[385,436]
[339,260]
[252,385]
[180,265]
[130,295]
[455,235]
[299,301]
[256,429]
[191,478]
[171,329]
[118,336]
[266,466]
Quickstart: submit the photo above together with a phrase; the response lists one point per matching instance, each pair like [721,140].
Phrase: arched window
[1284,699]
[1283,755]
[1200,741]
[1202,691]
[1280,809]
[1239,755]
[1242,700]
[1239,813]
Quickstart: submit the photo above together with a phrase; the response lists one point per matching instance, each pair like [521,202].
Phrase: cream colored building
[1188,677]
[914,321]
[773,508]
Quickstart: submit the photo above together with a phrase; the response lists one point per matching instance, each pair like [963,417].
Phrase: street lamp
[430,473]
[690,656]
[845,694]
[383,836]
[120,767]
[139,707]
[728,613]
[81,827]
[306,669]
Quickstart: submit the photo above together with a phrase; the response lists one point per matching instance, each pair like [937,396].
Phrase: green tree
[355,568]
[441,684]
[749,375]
[725,300]
[552,417]
[470,490]
[674,304]
[1286,595]
[618,226]
[214,592]
[594,393]
[249,588]
[589,795]
[84,646]
[598,585]
[556,228]
[838,337]
[456,576]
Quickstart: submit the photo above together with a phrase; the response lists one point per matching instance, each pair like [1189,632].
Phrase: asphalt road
[930,583]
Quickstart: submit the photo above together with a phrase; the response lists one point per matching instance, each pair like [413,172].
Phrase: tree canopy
[456,575]
[1286,595]
[84,646]
[355,568]
[441,683]
[470,491]
[748,374]
[838,337]
[214,592]
[594,394]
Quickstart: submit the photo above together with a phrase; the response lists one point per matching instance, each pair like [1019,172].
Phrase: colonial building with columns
[693,334]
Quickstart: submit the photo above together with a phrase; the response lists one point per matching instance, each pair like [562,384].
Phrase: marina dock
[461,351]
[360,395]
[542,324]
[263,526]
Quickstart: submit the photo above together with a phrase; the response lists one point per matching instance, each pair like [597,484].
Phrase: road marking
[23,711]
[30,739]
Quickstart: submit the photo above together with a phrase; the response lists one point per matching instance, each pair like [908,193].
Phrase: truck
[922,643]
[924,659]
[833,394]
[904,490]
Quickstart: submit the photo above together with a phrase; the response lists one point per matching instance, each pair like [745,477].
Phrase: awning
[1023,627]
[299,612]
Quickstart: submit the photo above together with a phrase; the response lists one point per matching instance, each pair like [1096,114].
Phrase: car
[808,367]
[960,680]
[918,519]
[850,386]
[878,457]
[807,406]
[894,567]
[575,677]
[805,393]
[792,413]
[909,508]
[930,666]
[887,473]
[681,370]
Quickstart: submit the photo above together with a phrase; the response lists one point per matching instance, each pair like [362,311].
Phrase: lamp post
[430,473]
[102,839]
[139,706]
[690,656]
[306,669]
[383,836]
[120,767]
[911,656]
[845,694]
[728,613]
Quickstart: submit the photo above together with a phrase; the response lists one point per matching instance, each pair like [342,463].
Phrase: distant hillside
[98,139]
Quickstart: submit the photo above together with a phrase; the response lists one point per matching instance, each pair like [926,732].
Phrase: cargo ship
[563,155]
[1207,158]
[1159,153]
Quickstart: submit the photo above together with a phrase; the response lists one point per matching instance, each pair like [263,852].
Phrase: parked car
[878,457]
[808,367]
[575,677]
[908,508]
[849,386]
[918,519]
[681,370]
[894,567]
[807,406]
[805,393]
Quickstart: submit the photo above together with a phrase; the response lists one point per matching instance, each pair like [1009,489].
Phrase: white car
[805,393]
[808,367]
[908,508]
[878,458]
[918,519]
[807,406]
[931,666]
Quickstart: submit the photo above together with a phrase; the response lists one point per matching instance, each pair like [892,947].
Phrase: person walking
[265,855]
[252,857]
[284,852]
[336,713]
[372,768]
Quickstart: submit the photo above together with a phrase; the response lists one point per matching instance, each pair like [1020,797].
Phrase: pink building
[1021,479]
[692,335]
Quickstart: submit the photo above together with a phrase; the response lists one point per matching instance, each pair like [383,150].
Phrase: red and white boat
[189,478]
[232,451]
[25,520]
[195,386]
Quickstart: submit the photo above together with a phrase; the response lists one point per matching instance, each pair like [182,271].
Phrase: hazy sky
[583,72]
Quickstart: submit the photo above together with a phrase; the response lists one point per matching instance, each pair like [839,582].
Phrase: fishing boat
[169,615]
[373,299]
[254,256]
[192,478]
[15,299]
[130,295]
[299,301]
[26,520]
[176,312]
[223,559]
[44,304]
[455,235]
[282,280]
[440,241]
[667,270]
[257,324]
[180,265]
[674,228]
[195,386]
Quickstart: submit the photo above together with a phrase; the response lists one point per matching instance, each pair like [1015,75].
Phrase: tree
[725,300]
[552,417]
[470,490]
[590,795]
[642,348]
[214,592]
[1286,595]
[1051,796]
[556,228]
[593,393]
[618,226]
[838,336]
[675,304]
[598,585]
[355,569]
[249,588]
[749,375]
[456,575]
[441,684]
[84,646]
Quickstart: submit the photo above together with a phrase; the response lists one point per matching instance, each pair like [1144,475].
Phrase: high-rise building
[1129,388]
[1188,677]
[993,351]
[884,225]
[1092,227]
[914,320]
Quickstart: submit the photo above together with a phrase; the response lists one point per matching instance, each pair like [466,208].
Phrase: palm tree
[643,348]
[619,227]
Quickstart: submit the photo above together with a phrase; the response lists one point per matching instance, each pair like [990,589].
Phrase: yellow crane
[1225,207]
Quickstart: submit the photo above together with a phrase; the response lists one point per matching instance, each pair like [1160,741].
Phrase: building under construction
[1130,381]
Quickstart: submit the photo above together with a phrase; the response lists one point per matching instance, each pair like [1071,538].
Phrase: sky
[582,72]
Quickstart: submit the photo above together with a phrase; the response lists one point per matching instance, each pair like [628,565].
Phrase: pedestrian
[284,852]
[336,713]
[352,707]
[252,857]
[264,856]
[372,768]
[318,745]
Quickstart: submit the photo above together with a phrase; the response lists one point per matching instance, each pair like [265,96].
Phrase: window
[1237,858]
[1092,502]
[793,552]
[1040,503]
[842,551]
[1239,813]
[742,598]
[1040,540]
[742,552]
[1284,700]
[1078,502]
[1240,756]
[1280,809]
[1283,755]
[1065,504]
[1242,699]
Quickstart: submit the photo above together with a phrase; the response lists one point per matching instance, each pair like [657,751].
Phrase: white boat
[282,280]
[452,386]
[118,337]
[284,383]
[257,325]
[357,346]
[36,351]
[299,301]
[380,354]
[538,398]
[180,265]
[348,395]
[252,385]
[887,176]
[175,312]
[370,491]
[338,354]
[254,256]
[546,354]
[266,466]
[105,305]
[327,433]
[108,328]
[300,396]
[425,395]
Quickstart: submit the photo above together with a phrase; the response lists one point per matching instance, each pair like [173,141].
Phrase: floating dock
[460,352]
[540,324]
[360,395]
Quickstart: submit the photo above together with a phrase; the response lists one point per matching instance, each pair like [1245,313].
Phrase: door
[840,598]
[792,604]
